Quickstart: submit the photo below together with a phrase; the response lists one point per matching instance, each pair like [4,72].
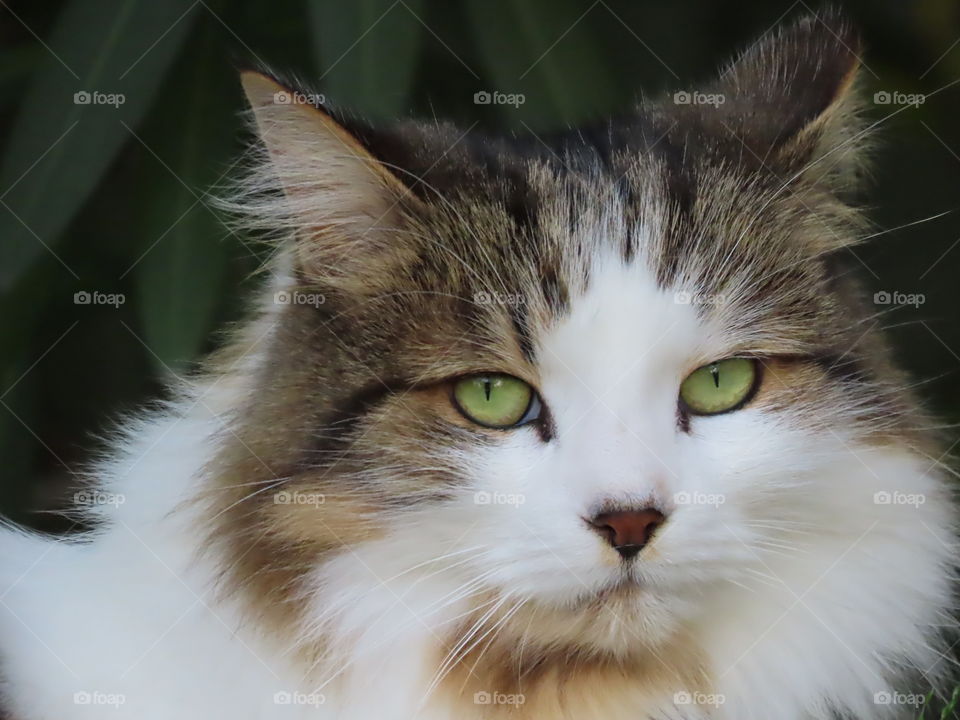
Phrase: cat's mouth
[625,585]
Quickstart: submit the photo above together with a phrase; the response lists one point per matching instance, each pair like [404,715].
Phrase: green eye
[720,386]
[496,401]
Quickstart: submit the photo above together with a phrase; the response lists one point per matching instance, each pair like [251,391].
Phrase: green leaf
[58,147]
[545,52]
[950,710]
[367,52]
[16,63]
[18,395]
[180,275]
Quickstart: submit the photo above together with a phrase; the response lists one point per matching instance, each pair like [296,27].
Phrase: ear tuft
[796,74]
[319,183]
[802,81]
[790,103]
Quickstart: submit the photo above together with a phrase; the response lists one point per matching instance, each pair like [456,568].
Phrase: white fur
[798,587]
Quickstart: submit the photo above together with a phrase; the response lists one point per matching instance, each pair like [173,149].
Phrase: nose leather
[628,531]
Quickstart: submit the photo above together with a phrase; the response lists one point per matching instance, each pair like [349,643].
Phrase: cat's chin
[615,621]
[619,590]
[626,585]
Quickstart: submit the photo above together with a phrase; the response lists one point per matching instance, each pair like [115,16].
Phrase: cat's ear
[791,100]
[341,203]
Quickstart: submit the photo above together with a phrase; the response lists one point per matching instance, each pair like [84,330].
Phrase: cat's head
[591,379]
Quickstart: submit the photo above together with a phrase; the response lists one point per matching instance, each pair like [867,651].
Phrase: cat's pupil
[487,384]
[715,372]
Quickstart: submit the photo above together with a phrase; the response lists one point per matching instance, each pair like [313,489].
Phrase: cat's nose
[628,530]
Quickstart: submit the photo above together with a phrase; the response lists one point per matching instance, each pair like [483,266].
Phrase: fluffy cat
[593,427]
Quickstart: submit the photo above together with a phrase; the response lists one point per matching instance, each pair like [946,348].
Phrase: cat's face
[604,337]
[619,373]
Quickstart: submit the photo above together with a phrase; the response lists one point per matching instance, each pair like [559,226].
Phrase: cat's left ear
[791,101]
[342,204]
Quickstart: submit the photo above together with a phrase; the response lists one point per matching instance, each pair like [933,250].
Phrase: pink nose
[628,530]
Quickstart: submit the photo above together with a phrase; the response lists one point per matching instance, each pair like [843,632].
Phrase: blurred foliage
[116,199]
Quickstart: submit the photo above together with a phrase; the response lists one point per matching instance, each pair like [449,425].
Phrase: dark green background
[115,199]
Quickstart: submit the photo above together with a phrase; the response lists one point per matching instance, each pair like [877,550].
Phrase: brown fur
[360,382]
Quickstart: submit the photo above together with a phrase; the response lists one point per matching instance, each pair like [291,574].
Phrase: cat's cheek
[520,506]
[749,478]
[530,520]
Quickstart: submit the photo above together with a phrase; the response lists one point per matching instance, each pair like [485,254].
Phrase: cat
[590,426]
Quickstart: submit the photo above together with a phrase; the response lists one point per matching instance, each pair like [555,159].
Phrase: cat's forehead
[621,249]
[424,234]
[636,328]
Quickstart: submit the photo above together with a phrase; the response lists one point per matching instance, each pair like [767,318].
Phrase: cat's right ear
[789,105]
[339,201]
[793,97]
